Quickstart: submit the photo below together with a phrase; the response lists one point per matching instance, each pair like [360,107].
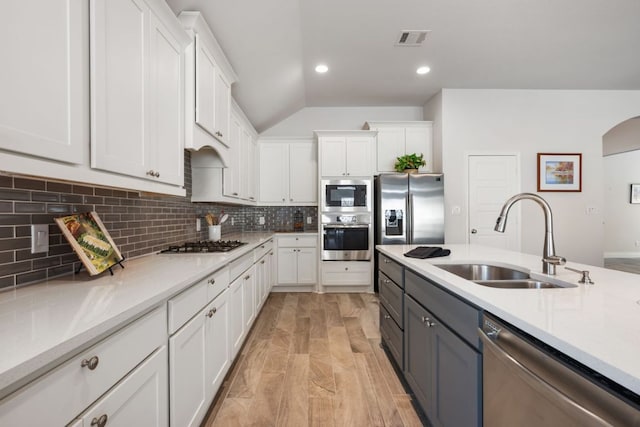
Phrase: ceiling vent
[412,38]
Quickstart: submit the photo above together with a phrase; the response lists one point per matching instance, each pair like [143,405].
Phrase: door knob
[474,231]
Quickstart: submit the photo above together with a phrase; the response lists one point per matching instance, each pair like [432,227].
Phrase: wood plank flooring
[313,360]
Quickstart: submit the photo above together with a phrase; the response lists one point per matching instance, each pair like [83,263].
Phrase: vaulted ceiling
[274,46]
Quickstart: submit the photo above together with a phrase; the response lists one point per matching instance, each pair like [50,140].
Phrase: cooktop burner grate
[203,247]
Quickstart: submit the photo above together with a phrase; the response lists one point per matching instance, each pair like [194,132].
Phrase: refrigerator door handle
[410,202]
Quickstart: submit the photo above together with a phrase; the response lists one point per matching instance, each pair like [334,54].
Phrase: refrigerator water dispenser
[393,222]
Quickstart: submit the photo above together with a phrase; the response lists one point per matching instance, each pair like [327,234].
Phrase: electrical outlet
[261,220]
[590,210]
[309,219]
[39,238]
[198,224]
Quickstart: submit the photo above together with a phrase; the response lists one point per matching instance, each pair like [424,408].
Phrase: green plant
[409,161]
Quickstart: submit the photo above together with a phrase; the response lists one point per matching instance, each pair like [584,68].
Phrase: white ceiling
[274,46]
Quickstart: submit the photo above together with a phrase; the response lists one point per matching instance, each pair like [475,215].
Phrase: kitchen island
[597,325]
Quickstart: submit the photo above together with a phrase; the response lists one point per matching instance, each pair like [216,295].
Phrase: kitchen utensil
[223,217]
[211,219]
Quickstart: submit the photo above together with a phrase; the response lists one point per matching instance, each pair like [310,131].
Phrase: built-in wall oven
[346,195]
[346,237]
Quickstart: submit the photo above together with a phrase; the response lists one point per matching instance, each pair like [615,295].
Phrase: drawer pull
[262,262]
[211,281]
[386,316]
[386,261]
[428,322]
[386,281]
[92,363]
[100,421]
[211,312]
[346,269]
[247,277]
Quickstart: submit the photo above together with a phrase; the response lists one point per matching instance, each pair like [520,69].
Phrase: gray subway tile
[31,277]
[29,184]
[30,207]
[11,244]
[6,232]
[6,181]
[82,189]
[7,194]
[14,268]
[7,257]
[45,197]
[6,207]
[58,187]
[7,282]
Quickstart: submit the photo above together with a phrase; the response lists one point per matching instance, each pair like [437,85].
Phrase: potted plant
[409,163]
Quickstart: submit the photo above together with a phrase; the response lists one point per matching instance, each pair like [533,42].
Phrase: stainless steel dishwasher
[527,385]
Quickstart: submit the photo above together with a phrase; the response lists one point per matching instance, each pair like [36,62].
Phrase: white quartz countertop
[40,325]
[598,325]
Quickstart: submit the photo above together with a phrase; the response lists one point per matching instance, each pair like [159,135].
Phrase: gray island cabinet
[435,343]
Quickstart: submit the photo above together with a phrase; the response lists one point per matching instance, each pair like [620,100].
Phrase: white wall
[622,219]
[306,120]
[530,122]
[433,112]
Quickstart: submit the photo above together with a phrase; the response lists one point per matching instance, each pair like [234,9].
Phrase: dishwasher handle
[547,390]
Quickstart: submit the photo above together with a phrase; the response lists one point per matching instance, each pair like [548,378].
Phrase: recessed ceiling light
[321,68]
[423,70]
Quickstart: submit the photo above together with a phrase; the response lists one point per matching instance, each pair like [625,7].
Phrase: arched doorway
[621,158]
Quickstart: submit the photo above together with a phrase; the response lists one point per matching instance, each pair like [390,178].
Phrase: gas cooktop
[204,246]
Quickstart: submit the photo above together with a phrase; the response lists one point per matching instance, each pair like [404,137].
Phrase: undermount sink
[484,272]
[498,277]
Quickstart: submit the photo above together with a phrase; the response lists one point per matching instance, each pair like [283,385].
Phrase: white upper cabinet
[396,139]
[288,173]
[43,79]
[345,153]
[137,77]
[208,87]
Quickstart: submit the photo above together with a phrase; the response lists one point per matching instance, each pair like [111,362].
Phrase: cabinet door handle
[235,194]
[386,261]
[157,174]
[92,363]
[151,172]
[211,281]
[386,316]
[100,421]
[247,277]
[386,281]
[211,312]
[346,269]
[424,319]
[262,262]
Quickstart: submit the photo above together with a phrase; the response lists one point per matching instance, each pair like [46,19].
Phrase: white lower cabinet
[199,350]
[297,261]
[141,399]
[68,390]
[248,301]
[217,343]
[236,315]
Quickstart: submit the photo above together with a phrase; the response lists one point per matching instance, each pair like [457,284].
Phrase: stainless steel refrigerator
[409,209]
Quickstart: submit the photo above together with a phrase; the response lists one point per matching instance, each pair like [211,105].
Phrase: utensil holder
[214,233]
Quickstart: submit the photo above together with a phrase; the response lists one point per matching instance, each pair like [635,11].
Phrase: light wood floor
[314,360]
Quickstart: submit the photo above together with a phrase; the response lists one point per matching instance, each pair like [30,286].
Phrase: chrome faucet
[549,257]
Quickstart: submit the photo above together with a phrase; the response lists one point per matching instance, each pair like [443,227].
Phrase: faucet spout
[549,257]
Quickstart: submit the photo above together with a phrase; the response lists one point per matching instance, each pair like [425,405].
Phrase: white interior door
[492,180]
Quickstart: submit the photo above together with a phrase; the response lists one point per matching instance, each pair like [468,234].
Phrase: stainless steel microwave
[346,195]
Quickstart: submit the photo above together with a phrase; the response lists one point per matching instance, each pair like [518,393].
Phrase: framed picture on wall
[559,171]
[634,196]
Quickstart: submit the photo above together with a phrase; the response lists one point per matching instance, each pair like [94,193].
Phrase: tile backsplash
[140,223]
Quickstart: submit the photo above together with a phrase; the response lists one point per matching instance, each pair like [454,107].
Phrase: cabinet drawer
[392,269]
[390,297]
[184,306]
[391,336]
[71,387]
[262,250]
[216,283]
[458,315]
[240,265]
[346,273]
[297,241]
